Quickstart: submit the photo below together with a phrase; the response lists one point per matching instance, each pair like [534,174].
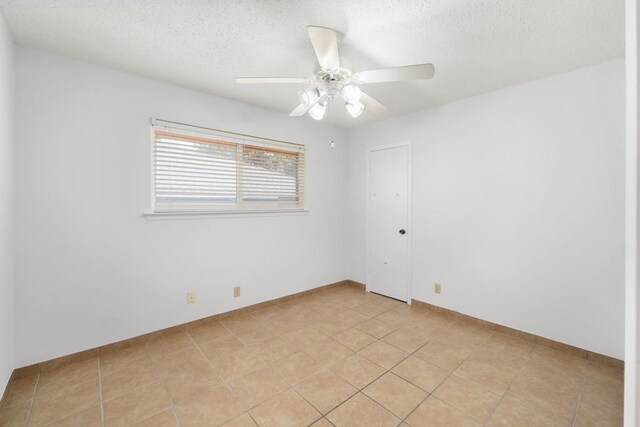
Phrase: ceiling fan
[333,80]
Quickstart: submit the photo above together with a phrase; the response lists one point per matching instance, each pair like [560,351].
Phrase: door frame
[406,143]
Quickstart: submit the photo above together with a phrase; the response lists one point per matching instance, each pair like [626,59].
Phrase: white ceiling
[476,45]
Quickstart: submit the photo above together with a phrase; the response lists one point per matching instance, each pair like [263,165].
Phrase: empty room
[319,213]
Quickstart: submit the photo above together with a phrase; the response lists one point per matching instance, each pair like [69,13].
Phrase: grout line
[33,399]
[100,391]
[161,380]
[250,416]
[527,358]
[173,411]
[406,324]
[580,391]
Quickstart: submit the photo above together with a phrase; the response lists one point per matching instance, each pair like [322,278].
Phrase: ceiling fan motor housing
[333,82]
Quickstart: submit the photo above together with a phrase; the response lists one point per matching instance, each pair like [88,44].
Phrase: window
[201,170]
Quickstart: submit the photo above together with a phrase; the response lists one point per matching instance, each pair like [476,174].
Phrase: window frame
[240,207]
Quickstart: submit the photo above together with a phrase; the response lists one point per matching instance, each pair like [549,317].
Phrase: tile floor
[343,357]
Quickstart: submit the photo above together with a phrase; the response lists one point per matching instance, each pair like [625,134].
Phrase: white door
[388,234]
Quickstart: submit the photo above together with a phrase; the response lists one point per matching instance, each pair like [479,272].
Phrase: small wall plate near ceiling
[333,81]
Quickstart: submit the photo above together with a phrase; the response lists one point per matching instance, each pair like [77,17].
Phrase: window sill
[155,216]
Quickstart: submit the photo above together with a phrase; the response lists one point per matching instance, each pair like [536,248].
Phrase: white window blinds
[199,171]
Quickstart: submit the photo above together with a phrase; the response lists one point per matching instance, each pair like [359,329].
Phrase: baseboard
[108,348]
[556,345]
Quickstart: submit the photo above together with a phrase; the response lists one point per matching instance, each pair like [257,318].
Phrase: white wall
[632,260]
[90,269]
[518,200]
[518,205]
[6,205]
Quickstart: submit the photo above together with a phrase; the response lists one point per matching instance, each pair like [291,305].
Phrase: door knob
[402,231]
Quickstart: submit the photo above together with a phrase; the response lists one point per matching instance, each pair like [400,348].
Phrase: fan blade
[301,109]
[372,104]
[325,43]
[262,80]
[410,72]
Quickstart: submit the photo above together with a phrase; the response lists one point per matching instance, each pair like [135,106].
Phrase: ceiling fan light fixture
[351,94]
[354,108]
[317,111]
[307,96]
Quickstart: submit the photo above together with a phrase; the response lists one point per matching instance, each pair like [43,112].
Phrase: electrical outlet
[236,292]
[437,288]
[191,297]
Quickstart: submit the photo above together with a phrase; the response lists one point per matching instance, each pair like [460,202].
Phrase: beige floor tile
[560,407]
[238,364]
[61,403]
[328,351]
[491,375]
[590,416]
[209,331]
[498,358]
[255,335]
[350,318]
[91,417]
[469,397]
[275,349]
[218,348]
[262,353]
[395,394]
[473,333]
[240,322]
[183,368]
[282,324]
[243,420]
[121,359]
[329,326]
[202,403]
[511,413]
[545,376]
[357,370]
[164,344]
[405,340]
[20,390]
[303,337]
[425,329]
[447,356]
[165,418]
[283,410]
[67,375]
[398,318]
[354,339]
[257,386]
[360,410]
[325,390]
[503,342]
[383,354]
[435,413]
[14,416]
[562,362]
[376,328]
[601,374]
[421,373]
[607,397]
[457,336]
[322,422]
[266,313]
[371,309]
[297,367]
[128,379]
[136,406]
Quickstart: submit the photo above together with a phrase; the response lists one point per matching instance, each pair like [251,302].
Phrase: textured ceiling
[476,45]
